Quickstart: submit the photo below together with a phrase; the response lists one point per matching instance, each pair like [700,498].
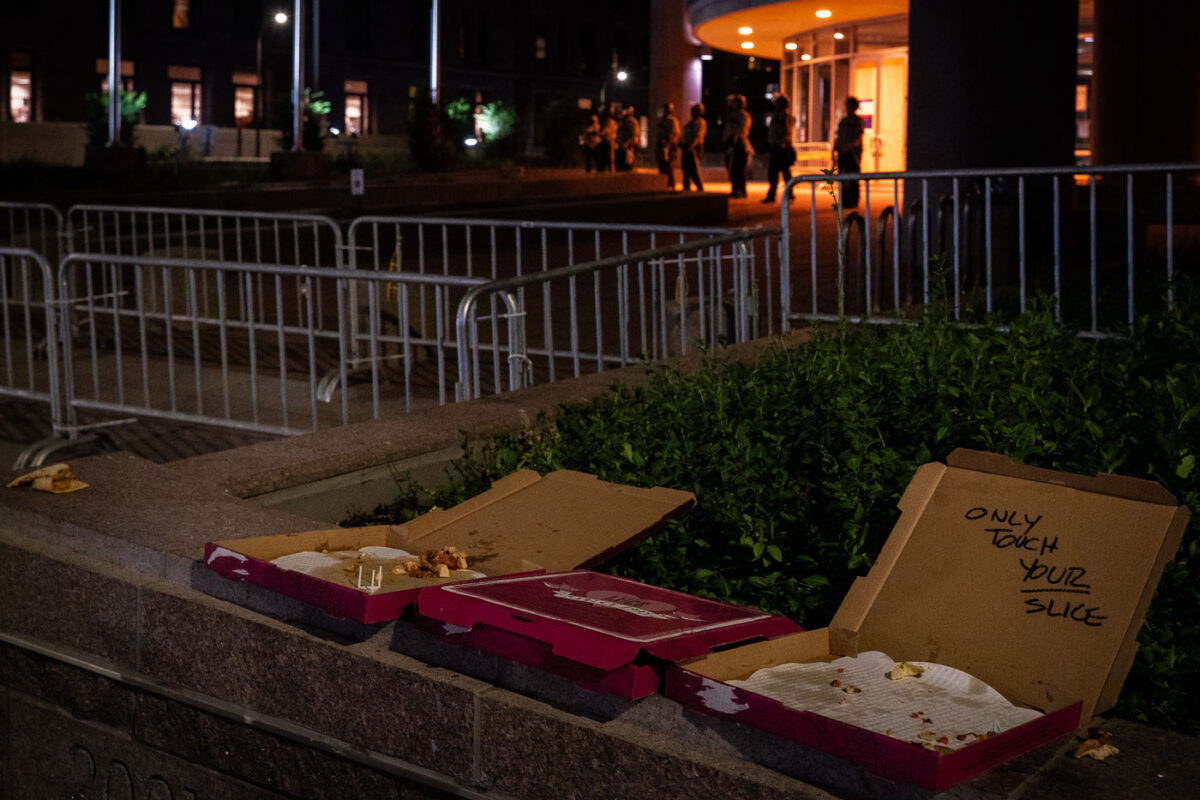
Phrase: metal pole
[114,73]
[297,75]
[435,64]
[259,94]
[316,46]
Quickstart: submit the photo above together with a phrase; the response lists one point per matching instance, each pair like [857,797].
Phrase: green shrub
[798,459]
[132,105]
[312,125]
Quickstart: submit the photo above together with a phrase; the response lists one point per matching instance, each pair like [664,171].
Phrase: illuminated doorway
[880,82]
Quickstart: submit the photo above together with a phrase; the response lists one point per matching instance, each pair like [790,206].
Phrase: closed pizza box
[1035,582]
[525,523]
[605,633]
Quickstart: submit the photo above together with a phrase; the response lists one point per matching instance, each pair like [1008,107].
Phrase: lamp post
[280,18]
[298,77]
[435,62]
[114,73]
[620,75]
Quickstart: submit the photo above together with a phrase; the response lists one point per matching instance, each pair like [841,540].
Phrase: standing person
[781,153]
[737,143]
[628,133]
[591,140]
[666,142]
[691,145]
[608,138]
[847,151]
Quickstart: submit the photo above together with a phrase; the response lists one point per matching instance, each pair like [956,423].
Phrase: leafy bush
[498,124]
[798,459]
[495,123]
[132,105]
[312,126]
[460,113]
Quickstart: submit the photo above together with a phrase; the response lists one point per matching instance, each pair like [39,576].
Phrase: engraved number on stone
[119,785]
[82,756]
[158,789]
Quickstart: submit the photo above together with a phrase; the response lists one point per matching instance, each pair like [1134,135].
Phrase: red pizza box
[1031,580]
[606,634]
[525,523]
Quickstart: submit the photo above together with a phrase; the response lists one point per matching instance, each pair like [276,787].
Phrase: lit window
[185,94]
[245,98]
[20,95]
[243,105]
[127,74]
[20,87]
[539,47]
[358,117]
[181,16]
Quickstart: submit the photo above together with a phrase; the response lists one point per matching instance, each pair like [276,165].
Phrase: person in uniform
[691,145]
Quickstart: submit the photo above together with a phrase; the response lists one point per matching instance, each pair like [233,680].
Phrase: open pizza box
[606,634]
[524,523]
[1035,582]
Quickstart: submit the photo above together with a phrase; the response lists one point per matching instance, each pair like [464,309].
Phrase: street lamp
[620,75]
[280,18]
[114,73]
[298,77]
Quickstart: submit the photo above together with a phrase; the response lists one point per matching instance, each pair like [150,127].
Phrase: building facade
[948,84]
[227,63]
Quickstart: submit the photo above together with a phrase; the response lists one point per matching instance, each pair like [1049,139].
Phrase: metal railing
[244,237]
[1101,242]
[627,308]
[29,363]
[256,359]
[500,249]
[32,226]
[160,315]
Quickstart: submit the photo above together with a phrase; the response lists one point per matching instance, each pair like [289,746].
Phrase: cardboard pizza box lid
[1034,580]
[563,520]
[524,523]
[599,620]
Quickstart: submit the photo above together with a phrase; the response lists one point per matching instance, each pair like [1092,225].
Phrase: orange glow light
[839,35]
[824,13]
[745,30]
[747,45]
[805,57]
[790,46]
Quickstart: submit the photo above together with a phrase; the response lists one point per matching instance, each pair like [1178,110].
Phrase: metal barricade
[244,237]
[499,249]
[620,310]
[29,357]
[1100,242]
[255,360]
[33,226]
